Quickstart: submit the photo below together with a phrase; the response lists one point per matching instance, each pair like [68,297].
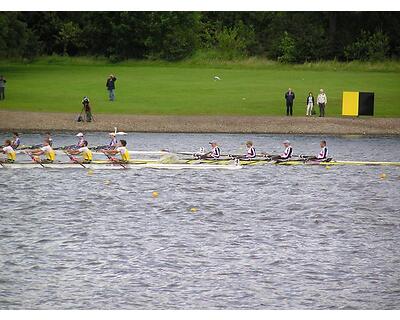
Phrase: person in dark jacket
[310,104]
[110,85]
[2,88]
[87,109]
[289,97]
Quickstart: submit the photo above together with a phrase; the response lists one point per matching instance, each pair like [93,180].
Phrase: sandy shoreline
[35,121]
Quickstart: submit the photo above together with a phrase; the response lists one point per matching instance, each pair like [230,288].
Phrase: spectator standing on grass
[110,84]
[310,104]
[2,87]
[289,97]
[322,100]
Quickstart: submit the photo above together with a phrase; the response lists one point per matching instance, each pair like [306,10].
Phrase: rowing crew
[46,153]
[287,154]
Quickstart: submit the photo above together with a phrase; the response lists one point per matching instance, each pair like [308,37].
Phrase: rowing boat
[263,161]
[107,165]
[178,164]
[230,161]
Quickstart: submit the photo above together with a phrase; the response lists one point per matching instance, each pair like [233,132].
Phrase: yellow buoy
[107,182]
[193,210]
[154,194]
[327,167]
[90,172]
[383,176]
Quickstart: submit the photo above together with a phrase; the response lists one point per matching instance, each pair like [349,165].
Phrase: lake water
[267,237]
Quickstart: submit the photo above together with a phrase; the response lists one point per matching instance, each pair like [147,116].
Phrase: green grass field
[250,88]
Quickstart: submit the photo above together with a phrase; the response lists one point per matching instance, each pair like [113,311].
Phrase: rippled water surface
[270,237]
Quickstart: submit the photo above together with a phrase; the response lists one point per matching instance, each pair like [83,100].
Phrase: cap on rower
[80,134]
[286,142]
[212,142]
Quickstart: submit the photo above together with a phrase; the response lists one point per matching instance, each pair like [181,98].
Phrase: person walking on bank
[2,87]
[322,101]
[310,104]
[289,97]
[110,85]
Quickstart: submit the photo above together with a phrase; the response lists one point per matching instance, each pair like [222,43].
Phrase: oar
[36,146]
[72,146]
[97,148]
[34,159]
[185,153]
[113,160]
[74,160]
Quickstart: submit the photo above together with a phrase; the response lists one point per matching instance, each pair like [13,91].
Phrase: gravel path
[35,121]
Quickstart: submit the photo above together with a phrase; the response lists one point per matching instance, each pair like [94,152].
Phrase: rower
[287,154]
[122,150]
[84,151]
[9,151]
[215,152]
[81,140]
[16,141]
[251,151]
[49,138]
[46,150]
[323,153]
[113,142]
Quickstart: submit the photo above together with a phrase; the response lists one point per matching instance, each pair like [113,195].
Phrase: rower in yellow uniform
[122,150]
[47,151]
[84,151]
[9,151]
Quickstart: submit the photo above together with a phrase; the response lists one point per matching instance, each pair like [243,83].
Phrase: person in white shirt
[322,101]
[9,151]
[122,150]
[49,138]
[323,153]
[47,151]
[84,151]
[215,152]
[113,142]
[16,140]
[310,104]
[251,151]
[286,155]
[81,140]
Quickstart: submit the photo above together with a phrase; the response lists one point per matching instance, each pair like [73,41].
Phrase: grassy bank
[248,87]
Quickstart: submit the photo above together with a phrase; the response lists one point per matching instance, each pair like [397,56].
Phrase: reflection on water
[262,237]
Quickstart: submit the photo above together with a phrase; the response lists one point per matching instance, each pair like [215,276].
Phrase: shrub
[287,49]
[368,47]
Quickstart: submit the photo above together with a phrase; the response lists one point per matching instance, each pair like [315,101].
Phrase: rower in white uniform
[84,151]
[323,153]
[287,154]
[16,140]
[251,151]
[46,150]
[49,139]
[121,150]
[113,142]
[9,151]
[215,152]
[81,140]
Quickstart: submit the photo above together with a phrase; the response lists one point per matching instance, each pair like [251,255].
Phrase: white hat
[80,134]
[286,142]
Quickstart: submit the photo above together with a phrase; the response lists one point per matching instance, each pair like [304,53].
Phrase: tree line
[288,37]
